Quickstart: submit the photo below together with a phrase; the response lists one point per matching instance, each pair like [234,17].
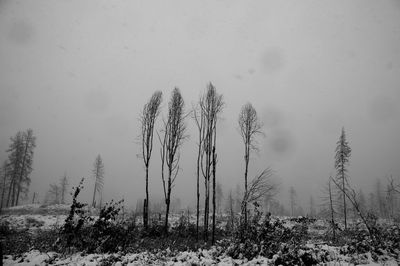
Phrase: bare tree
[352,197]
[343,152]
[328,199]
[148,117]
[332,210]
[211,105]
[63,187]
[199,118]
[395,187]
[250,126]
[171,141]
[98,174]
[260,186]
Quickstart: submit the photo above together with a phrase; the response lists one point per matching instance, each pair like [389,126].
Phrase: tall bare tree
[343,152]
[98,174]
[211,105]
[250,127]
[199,118]
[173,134]
[148,117]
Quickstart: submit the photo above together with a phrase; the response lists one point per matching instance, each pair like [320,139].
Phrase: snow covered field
[215,255]
[201,257]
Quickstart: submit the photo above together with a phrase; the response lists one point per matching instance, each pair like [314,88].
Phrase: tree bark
[344,199]
[146,214]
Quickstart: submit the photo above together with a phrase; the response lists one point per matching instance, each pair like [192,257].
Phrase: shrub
[267,237]
[71,234]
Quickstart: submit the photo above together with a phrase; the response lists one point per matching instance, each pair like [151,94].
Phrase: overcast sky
[79,72]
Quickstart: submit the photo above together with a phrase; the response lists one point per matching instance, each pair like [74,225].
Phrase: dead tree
[211,105]
[148,117]
[250,127]
[171,141]
[395,187]
[199,118]
[328,200]
[98,174]
[343,152]
[260,186]
[332,210]
[352,197]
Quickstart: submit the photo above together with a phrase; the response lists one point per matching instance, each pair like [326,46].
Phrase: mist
[78,73]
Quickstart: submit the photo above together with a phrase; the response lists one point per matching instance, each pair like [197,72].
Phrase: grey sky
[79,72]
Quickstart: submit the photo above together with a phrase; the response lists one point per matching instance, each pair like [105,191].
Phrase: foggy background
[79,72]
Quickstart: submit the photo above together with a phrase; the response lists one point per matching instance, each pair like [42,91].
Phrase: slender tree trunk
[198,188]
[144,211]
[214,164]
[33,198]
[166,216]
[13,194]
[146,214]
[168,202]
[9,193]
[231,209]
[213,201]
[245,180]
[94,193]
[332,214]
[344,199]
[206,209]
[198,195]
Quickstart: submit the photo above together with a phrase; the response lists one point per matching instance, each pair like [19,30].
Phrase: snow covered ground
[201,257]
[27,217]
